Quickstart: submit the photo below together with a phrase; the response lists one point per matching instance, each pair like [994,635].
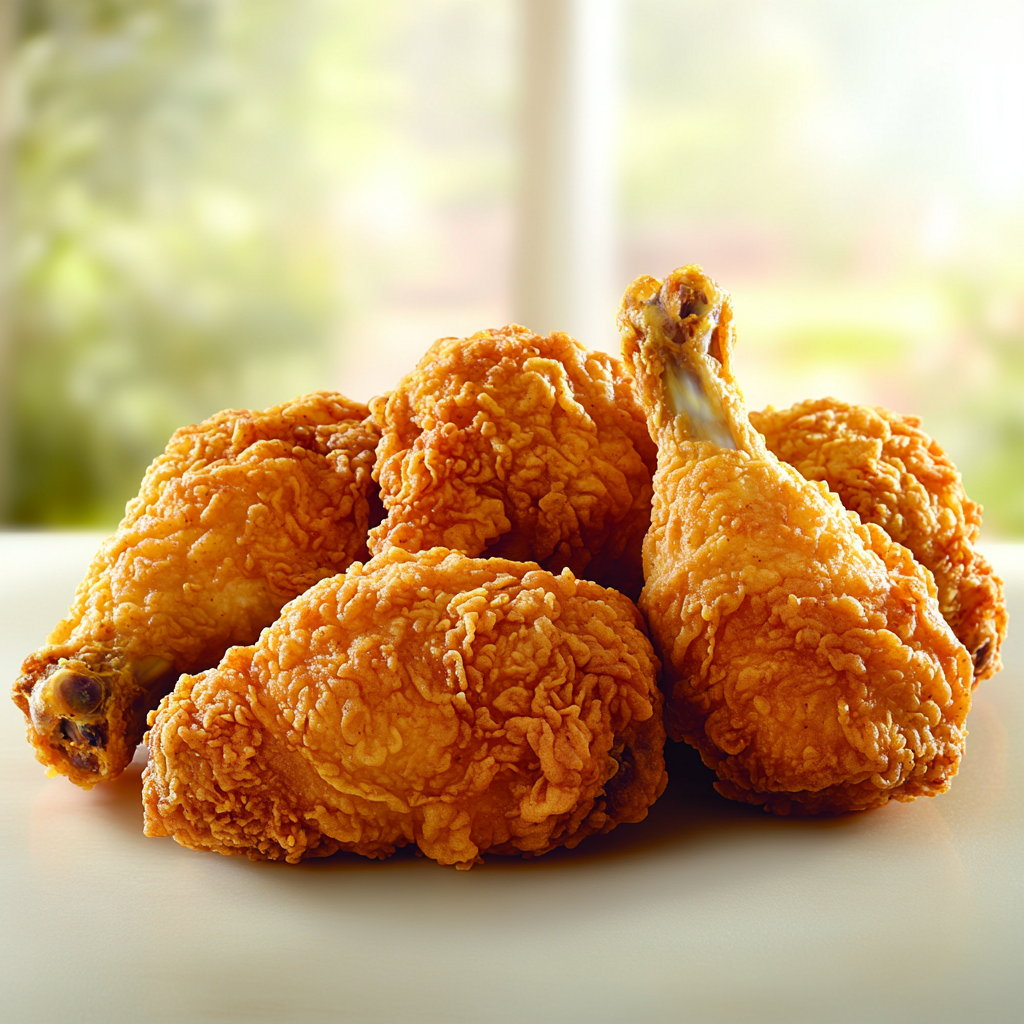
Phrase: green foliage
[172,259]
[879,346]
[978,401]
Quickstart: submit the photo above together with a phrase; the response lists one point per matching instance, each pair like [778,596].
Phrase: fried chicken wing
[805,655]
[239,515]
[521,446]
[464,705]
[891,473]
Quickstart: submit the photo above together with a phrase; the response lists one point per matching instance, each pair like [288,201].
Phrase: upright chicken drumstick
[238,515]
[804,653]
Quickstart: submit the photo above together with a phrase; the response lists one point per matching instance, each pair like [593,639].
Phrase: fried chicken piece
[239,515]
[520,446]
[464,705]
[891,473]
[804,652]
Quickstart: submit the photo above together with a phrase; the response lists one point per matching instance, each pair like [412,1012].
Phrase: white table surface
[708,911]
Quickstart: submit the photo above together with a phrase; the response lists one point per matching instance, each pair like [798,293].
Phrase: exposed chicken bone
[687,319]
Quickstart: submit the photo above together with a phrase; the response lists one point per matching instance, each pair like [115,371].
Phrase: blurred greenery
[978,396]
[170,256]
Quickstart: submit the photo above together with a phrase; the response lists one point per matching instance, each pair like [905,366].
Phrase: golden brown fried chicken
[804,653]
[464,705]
[238,515]
[891,473]
[526,447]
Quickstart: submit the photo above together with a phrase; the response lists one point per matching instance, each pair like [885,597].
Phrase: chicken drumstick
[804,653]
[235,518]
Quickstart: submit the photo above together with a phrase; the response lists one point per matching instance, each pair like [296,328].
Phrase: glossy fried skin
[521,446]
[891,473]
[804,653]
[235,518]
[464,705]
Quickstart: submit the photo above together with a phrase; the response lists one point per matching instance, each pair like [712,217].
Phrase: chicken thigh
[527,447]
[891,473]
[464,705]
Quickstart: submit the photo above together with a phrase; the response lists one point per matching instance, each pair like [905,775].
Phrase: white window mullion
[566,237]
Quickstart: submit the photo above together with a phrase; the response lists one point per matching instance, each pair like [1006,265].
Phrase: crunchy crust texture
[464,705]
[512,444]
[891,473]
[239,514]
[804,653]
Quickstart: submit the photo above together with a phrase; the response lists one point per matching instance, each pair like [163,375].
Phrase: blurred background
[213,203]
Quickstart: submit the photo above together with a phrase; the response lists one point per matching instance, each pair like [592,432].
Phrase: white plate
[708,911]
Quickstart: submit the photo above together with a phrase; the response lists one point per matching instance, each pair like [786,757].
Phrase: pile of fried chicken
[356,628]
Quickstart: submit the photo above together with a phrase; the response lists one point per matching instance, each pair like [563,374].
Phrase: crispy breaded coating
[464,705]
[521,446]
[235,518]
[804,653]
[891,473]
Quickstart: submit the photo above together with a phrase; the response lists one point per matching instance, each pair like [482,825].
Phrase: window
[215,203]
